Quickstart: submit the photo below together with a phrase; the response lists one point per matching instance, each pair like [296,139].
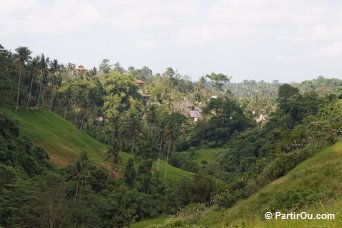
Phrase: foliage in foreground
[313,187]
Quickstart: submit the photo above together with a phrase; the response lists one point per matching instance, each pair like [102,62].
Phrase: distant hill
[322,86]
[64,142]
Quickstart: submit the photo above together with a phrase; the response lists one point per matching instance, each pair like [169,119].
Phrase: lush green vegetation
[100,141]
[313,186]
[197,159]
[60,138]
[149,222]
[65,143]
[83,193]
[206,156]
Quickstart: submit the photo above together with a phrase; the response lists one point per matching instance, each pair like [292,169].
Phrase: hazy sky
[267,40]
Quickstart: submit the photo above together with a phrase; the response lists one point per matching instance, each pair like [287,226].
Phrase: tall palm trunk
[167,160]
[17,106]
[75,121]
[82,179]
[83,117]
[173,147]
[52,95]
[132,143]
[40,88]
[30,94]
[77,187]
[65,111]
[160,149]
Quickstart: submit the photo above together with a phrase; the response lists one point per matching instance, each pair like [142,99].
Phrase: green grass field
[149,222]
[208,155]
[64,142]
[60,138]
[173,173]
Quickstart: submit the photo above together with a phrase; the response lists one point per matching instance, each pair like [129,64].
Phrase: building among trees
[193,111]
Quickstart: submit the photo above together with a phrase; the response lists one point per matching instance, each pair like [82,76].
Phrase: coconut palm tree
[56,79]
[44,63]
[21,58]
[161,120]
[5,66]
[113,153]
[81,172]
[34,65]
[174,122]
[133,123]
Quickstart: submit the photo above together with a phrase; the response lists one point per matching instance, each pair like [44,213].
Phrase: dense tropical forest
[112,147]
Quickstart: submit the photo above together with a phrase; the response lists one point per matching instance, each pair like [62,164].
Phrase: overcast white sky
[268,40]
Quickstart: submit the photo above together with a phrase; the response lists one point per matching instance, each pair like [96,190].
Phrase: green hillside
[64,142]
[149,222]
[207,155]
[314,186]
[62,139]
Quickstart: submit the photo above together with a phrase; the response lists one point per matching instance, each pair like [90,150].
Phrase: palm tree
[55,68]
[130,173]
[201,85]
[151,117]
[34,67]
[113,153]
[81,172]
[44,62]
[133,121]
[172,132]
[70,67]
[161,143]
[116,140]
[161,120]
[21,58]
[5,66]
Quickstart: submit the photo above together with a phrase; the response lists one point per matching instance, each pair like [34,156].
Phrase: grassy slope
[64,142]
[61,138]
[314,186]
[149,222]
[208,155]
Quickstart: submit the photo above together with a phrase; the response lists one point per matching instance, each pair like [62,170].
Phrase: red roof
[80,68]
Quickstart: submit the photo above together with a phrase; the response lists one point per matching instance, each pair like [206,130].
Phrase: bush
[191,213]
[225,199]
